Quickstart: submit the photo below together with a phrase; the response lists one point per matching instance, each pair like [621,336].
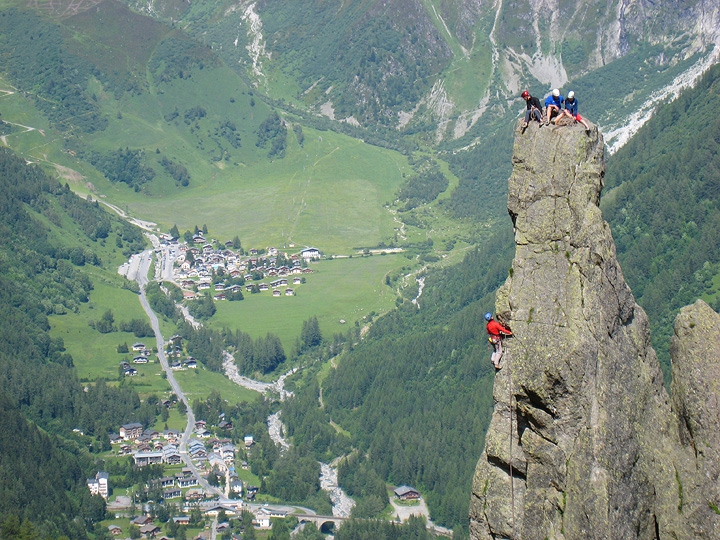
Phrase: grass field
[198,383]
[329,194]
[343,288]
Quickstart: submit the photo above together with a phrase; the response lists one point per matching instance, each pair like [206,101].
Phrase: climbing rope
[510,405]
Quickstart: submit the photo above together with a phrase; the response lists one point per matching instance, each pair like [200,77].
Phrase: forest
[415,396]
[662,200]
[42,399]
[35,57]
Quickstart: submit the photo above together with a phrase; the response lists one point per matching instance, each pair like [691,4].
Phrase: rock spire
[581,416]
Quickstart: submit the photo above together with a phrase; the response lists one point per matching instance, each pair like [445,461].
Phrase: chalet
[131,431]
[297,280]
[115,529]
[140,359]
[310,254]
[279,283]
[166,481]
[276,292]
[230,509]
[203,286]
[406,493]
[186,481]
[289,292]
[141,520]
[191,363]
[125,449]
[130,372]
[199,454]
[150,530]
[236,486]
[115,438]
[200,424]
[219,286]
[173,493]
[138,346]
[219,297]
[249,441]
[176,366]
[196,494]
[224,424]
[181,520]
[189,295]
[263,287]
[147,458]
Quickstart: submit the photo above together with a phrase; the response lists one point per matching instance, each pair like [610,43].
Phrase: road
[145,260]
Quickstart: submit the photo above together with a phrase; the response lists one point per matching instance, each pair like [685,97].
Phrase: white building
[99,485]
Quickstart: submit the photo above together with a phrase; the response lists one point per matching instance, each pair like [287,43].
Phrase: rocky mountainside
[438,67]
[584,441]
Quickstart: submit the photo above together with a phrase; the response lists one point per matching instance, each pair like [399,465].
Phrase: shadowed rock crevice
[598,448]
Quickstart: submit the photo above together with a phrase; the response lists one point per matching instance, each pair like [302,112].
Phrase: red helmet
[525,94]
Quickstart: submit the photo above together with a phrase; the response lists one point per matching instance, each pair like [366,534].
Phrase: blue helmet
[488,316]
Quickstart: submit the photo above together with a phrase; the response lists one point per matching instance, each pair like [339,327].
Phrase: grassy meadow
[342,288]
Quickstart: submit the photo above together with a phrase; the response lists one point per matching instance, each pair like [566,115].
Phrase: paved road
[142,280]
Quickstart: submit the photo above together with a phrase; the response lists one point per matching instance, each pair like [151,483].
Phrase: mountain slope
[406,62]
[663,195]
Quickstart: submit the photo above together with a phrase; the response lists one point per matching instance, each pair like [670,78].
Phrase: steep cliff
[581,417]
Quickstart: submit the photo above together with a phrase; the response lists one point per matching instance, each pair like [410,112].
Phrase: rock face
[581,419]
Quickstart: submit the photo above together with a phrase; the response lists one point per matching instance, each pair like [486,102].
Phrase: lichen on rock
[581,417]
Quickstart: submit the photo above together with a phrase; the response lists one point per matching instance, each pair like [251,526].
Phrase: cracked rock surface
[581,418]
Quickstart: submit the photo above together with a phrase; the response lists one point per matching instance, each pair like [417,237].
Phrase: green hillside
[662,201]
[53,426]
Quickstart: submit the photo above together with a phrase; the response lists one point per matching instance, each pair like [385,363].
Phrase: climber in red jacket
[496,333]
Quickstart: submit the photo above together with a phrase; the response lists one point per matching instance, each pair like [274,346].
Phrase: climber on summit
[534,108]
[553,105]
[571,110]
[496,333]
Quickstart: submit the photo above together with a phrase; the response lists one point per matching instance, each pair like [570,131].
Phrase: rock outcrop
[584,442]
